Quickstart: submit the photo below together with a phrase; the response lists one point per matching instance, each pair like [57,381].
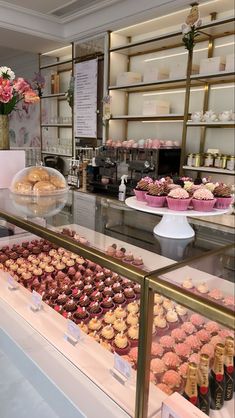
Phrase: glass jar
[208,160]
[218,161]
[230,163]
[190,160]
[197,160]
[224,161]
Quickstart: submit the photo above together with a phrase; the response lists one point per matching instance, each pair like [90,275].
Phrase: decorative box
[229,66]
[212,65]
[175,406]
[155,107]
[179,70]
[152,74]
[128,78]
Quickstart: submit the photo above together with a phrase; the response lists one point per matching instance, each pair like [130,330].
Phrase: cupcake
[117,287]
[121,344]
[133,335]
[160,325]
[203,200]
[229,301]
[120,312]
[183,369]
[111,250]
[222,193]
[83,327]
[109,317]
[129,257]
[171,360]
[197,320]
[212,327]
[133,354]
[194,342]
[62,299]
[133,307]
[132,319]
[194,358]
[81,314]
[94,324]
[216,340]
[202,288]
[183,350]
[156,350]
[96,296]
[156,194]
[95,336]
[142,188]
[182,312]
[216,295]
[188,328]
[70,305]
[84,300]
[119,299]
[178,199]
[95,309]
[167,342]
[178,334]
[129,293]
[107,291]
[168,304]
[138,261]
[208,349]
[164,388]
[158,299]
[172,319]
[137,290]
[158,368]
[204,336]
[119,325]
[107,332]
[107,304]
[158,310]
[172,379]
[188,284]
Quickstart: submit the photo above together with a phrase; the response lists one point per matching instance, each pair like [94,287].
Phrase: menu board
[86,73]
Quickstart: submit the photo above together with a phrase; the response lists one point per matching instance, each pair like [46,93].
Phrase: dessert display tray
[174,224]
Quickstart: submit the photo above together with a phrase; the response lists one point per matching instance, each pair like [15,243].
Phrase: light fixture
[56,50]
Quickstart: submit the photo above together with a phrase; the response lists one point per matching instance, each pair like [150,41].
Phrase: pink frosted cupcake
[197,320]
[194,343]
[183,369]
[142,188]
[171,360]
[158,367]
[229,301]
[156,350]
[202,288]
[156,195]
[167,343]
[172,319]
[203,200]
[212,327]
[216,295]
[216,340]
[188,328]
[203,335]
[194,358]
[222,192]
[133,354]
[161,325]
[172,379]
[183,350]
[178,199]
[178,334]
[164,388]
[223,333]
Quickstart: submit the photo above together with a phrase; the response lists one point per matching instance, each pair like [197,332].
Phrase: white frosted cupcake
[172,319]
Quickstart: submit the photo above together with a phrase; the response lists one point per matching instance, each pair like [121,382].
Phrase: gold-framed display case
[95,270]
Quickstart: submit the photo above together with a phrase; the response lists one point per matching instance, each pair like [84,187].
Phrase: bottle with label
[203,384]
[190,391]
[217,381]
[122,189]
[228,368]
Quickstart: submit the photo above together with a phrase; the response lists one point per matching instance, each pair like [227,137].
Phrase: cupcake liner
[183,318]
[129,300]
[158,377]
[155,201]
[203,205]
[133,343]
[98,314]
[173,325]
[140,195]
[223,202]
[121,351]
[110,308]
[178,204]
[78,320]
[162,331]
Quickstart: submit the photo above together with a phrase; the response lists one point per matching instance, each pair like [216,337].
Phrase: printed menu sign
[86,99]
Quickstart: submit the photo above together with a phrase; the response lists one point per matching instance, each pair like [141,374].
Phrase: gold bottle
[228,368]
[203,384]
[217,381]
[190,391]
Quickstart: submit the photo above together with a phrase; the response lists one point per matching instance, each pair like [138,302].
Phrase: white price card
[122,366]
[36,301]
[12,283]
[73,333]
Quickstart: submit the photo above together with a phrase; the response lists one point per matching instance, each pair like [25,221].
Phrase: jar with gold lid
[197,160]
[218,161]
[190,160]
[230,163]
[208,160]
[224,160]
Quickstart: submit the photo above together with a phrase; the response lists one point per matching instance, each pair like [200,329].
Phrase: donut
[38,174]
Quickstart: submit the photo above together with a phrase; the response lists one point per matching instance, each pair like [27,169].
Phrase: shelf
[59,125]
[217,28]
[56,153]
[218,124]
[209,170]
[174,117]
[214,78]
[166,83]
[54,96]
[69,61]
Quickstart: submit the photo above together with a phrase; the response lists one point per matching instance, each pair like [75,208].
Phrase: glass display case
[83,276]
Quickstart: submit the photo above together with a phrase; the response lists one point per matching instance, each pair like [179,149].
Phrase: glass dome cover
[38,181]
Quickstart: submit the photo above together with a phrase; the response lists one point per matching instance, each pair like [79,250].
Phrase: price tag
[73,333]
[121,369]
[12,283]
[36,301]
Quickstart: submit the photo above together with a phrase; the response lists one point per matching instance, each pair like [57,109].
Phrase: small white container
[179,69]
[212,65]
[156,107]
[229,65]
[152,73]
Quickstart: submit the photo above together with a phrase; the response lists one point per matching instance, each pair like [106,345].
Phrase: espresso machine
[111,163]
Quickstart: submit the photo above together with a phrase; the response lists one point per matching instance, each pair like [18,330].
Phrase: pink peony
[21,86]
[31,97]
[6,91]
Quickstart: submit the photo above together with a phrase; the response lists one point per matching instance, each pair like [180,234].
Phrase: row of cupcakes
[183,193]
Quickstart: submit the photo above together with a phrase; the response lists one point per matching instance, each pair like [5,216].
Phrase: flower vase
[4,132]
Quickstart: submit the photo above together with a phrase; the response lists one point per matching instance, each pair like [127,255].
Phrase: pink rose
[21,86]
[31,97]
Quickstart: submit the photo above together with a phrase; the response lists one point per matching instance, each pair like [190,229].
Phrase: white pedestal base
[172,226]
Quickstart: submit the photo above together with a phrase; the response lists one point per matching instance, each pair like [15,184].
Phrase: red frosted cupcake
[203,200]
[178,199]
